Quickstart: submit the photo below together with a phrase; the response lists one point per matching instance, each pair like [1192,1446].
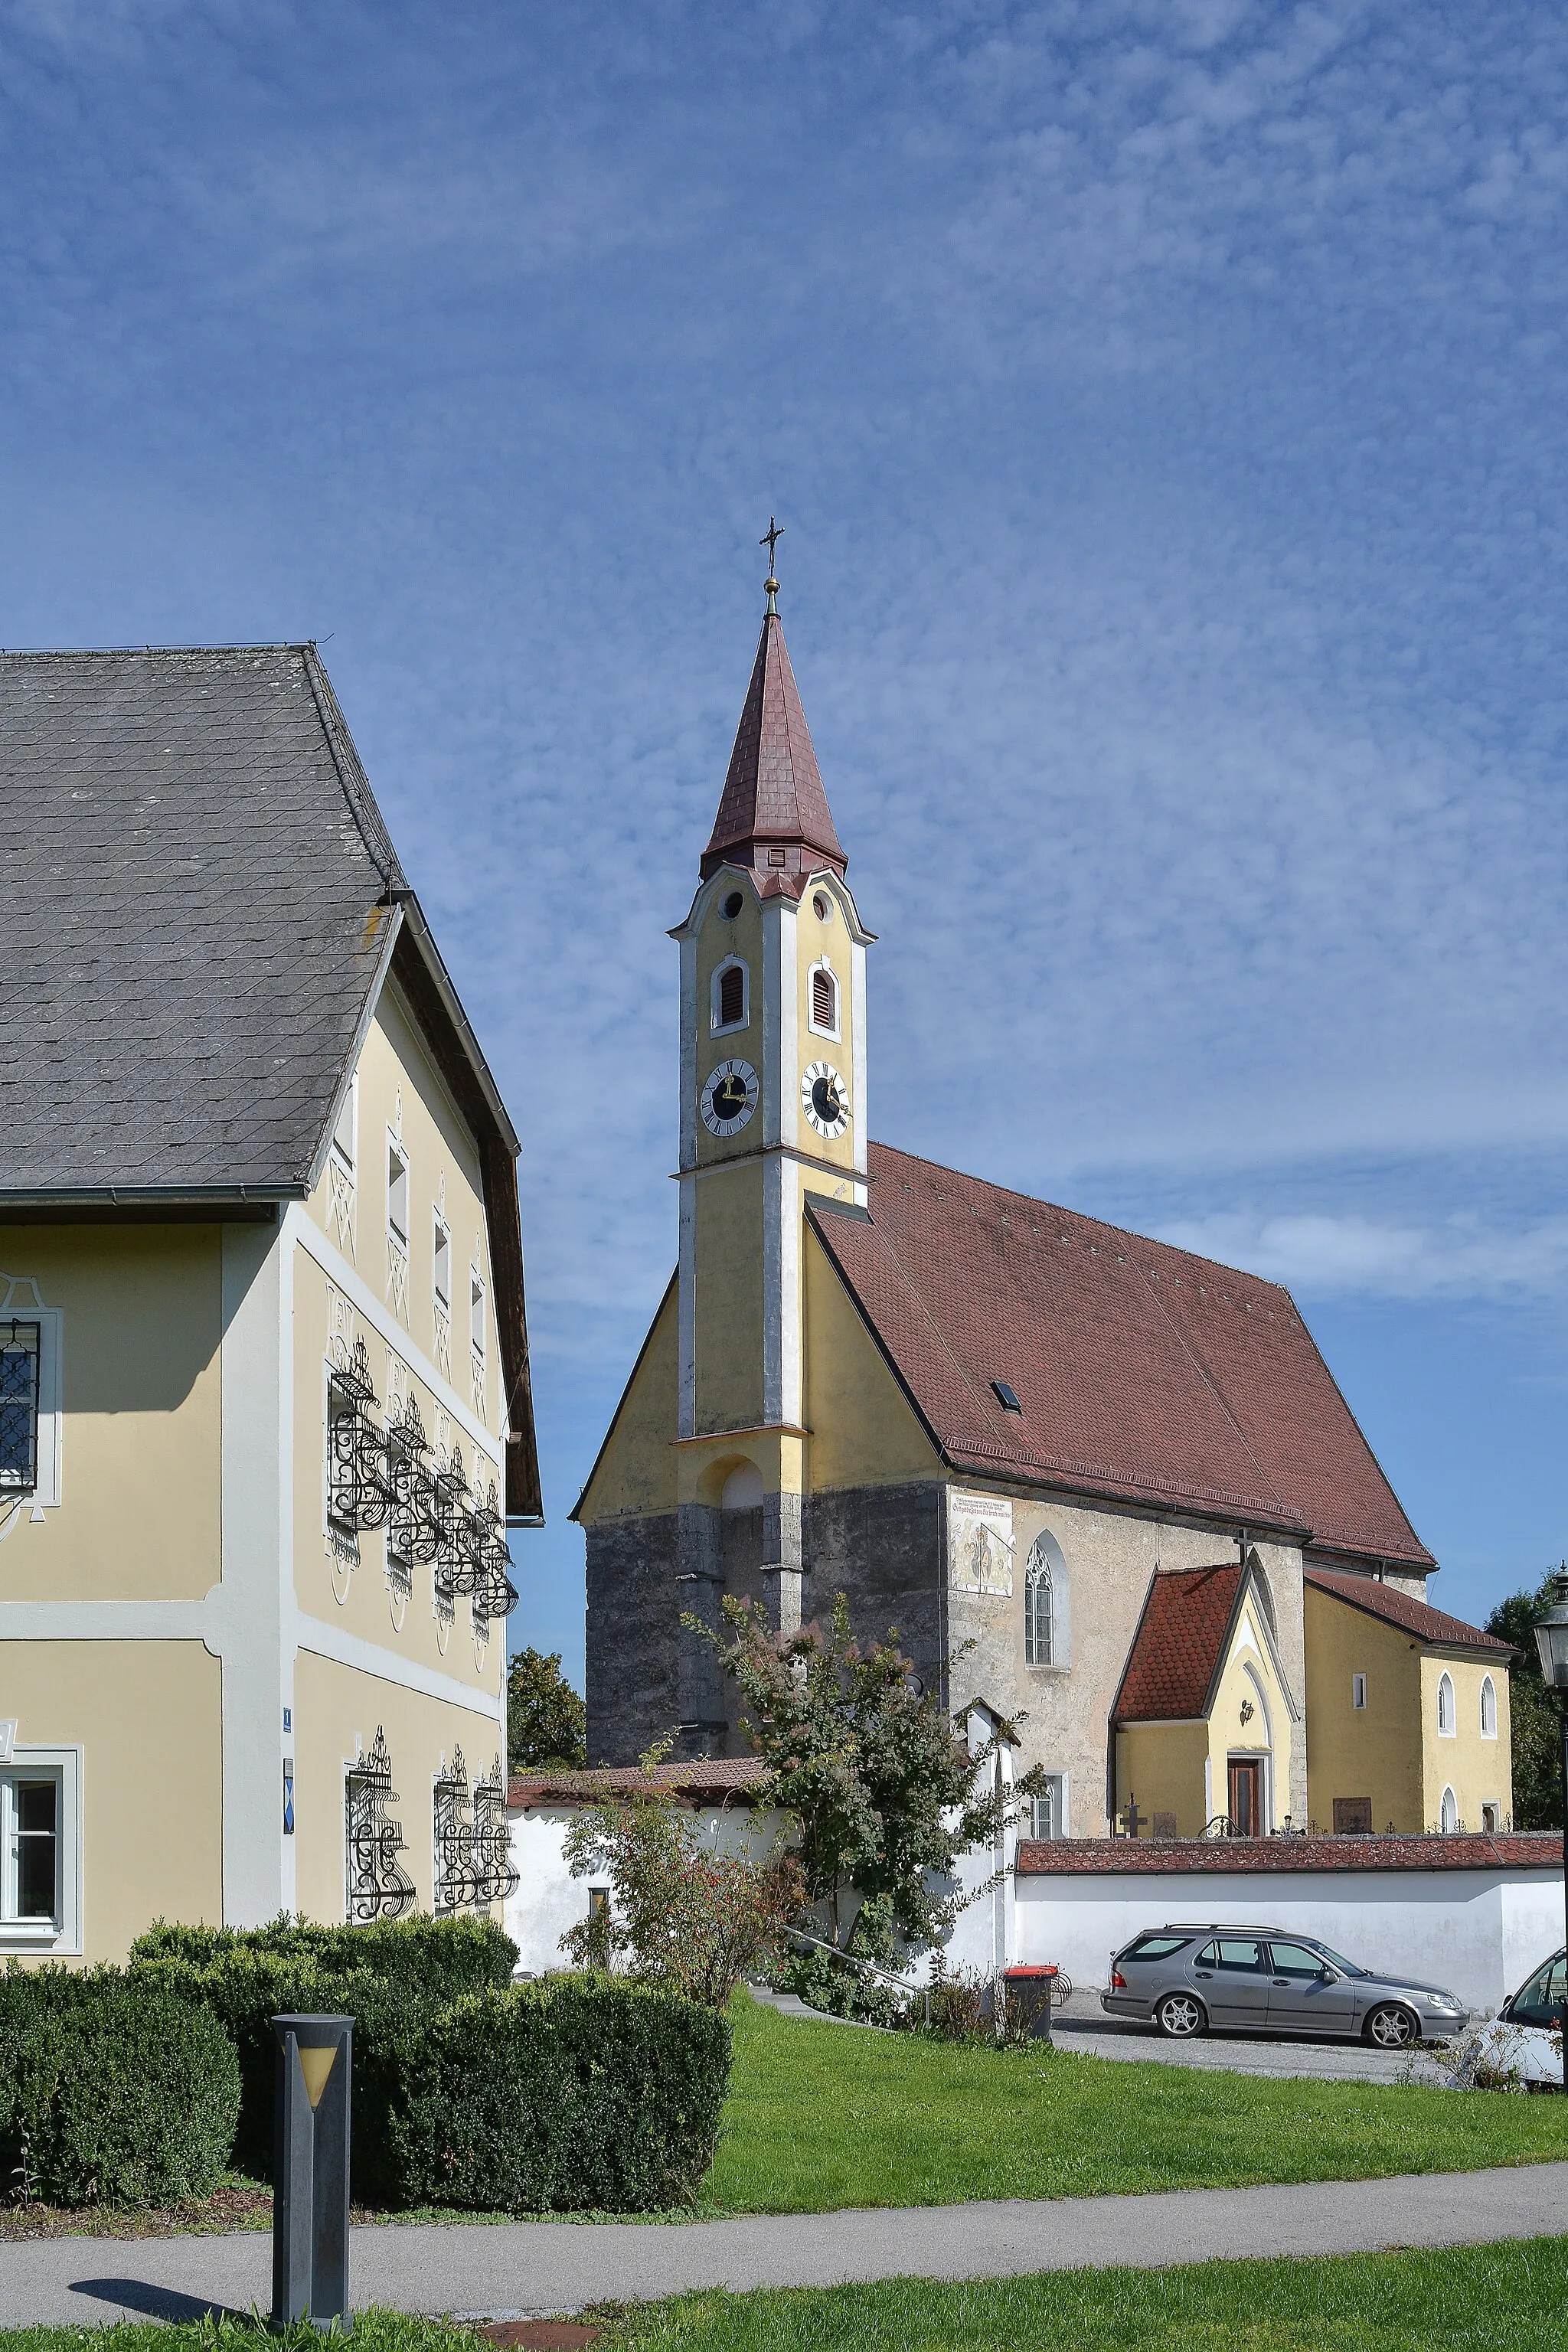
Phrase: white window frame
[1446,1803]
[816,1027]
[1050,1553]
[347,1154]
[440,1235]
[1057,1800]
[478,1310]
[728,1028]
[62,1934]
[396,1148]
[20,1298]
[1487,1687]
[1357,1692]
[1449,1730]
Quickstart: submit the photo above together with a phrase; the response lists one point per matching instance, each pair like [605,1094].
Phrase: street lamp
[1552,1641]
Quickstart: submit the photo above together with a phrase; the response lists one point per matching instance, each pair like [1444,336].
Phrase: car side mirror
[1327,1976]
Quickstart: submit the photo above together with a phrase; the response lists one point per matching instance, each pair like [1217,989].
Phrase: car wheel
[1390,2026]
[1179,2015]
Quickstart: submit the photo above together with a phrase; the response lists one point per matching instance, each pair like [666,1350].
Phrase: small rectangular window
[442,1267]
[477,1314]
[344,1140]
[1050,1808]
[1007,1396]
[29,1848]
[397,1194]
[20,1348]
[1491,1818]
[1358,1690]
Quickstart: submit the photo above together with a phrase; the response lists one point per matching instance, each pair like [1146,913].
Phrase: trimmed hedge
[440,1959]
[578,2094]
[111,2092]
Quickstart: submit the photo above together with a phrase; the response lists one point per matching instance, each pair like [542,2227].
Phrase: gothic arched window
[1446,1706]
[1450,1812]
[1044,1606]
[1489,1708]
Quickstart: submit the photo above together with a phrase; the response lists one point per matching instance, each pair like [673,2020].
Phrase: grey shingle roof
[190,919]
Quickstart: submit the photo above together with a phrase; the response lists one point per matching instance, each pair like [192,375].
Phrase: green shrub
[583,2093]
[439,1958]
[245,1989]
[112,2091]
[580,2093]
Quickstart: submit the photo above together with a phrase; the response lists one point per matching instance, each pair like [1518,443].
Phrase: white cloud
[1328,1256]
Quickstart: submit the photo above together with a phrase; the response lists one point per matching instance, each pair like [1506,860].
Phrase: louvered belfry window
[731,997]
[824,1000]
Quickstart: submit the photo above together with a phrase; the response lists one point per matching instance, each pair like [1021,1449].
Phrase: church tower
[773,1089]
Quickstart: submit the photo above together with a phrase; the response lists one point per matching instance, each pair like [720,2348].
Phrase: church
[1106,1489]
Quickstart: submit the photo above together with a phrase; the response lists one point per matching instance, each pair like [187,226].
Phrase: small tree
[682,1912]
[888,1796]
[546,1722]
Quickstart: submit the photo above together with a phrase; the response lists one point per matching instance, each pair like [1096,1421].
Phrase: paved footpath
[519,2269]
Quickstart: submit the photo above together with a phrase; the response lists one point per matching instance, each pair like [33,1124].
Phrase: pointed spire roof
[774,814]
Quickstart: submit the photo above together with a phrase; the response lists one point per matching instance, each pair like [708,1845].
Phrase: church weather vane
[770,540]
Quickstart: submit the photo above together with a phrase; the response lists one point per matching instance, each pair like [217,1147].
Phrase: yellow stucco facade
[180,1623]
[1380,1744]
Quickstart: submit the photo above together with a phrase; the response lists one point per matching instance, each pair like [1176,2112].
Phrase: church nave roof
[1144,1373]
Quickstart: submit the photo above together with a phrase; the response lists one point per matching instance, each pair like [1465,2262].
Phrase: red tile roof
[1179,1645]
[1107,1857]
[773,795]
[1417,1617]
[1144,1372]
[707,1781]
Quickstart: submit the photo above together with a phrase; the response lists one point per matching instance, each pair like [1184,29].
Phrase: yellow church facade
[264,1404]
[1105,1487]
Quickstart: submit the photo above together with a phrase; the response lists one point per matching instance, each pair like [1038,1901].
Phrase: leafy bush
[244,1991]
[112,2091]
[581,2093]
[686,1914]
[439,1957]
[840,1990]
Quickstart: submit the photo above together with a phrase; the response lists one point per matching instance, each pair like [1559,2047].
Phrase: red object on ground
[1012,1974]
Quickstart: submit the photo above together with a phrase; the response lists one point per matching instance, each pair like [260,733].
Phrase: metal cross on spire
[770,540]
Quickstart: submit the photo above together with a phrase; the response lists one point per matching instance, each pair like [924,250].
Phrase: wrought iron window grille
[453,1570]
[491,1841]
[410,1526]
[358,1492]
[378,1886]
[494,1594]
[20,1347]
[456,1882]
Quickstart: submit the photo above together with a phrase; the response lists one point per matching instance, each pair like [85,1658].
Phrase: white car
[1524,2037]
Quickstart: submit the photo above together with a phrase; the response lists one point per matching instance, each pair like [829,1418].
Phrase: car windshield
[1542,2000]
[1338,1960]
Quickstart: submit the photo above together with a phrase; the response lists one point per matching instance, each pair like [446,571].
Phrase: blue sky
[1166,405]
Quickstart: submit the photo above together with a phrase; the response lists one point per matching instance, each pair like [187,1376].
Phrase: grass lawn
[1492,2298]
[820,2116]
[1511,2298]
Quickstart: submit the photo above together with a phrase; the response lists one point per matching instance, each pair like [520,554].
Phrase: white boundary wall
[549,1900]
[1479,1932]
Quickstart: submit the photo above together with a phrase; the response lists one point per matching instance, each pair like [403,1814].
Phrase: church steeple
[774,814]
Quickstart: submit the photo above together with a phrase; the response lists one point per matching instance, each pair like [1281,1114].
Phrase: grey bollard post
[313,2087]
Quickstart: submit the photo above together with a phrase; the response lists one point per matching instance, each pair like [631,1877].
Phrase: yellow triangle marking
[316,2065]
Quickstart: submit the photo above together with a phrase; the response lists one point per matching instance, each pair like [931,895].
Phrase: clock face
[825,1098]
[729,1097]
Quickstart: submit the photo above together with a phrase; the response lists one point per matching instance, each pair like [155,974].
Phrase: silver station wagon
[1191,1976]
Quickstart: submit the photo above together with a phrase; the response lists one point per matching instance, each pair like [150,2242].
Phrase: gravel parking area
[1083,2025]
